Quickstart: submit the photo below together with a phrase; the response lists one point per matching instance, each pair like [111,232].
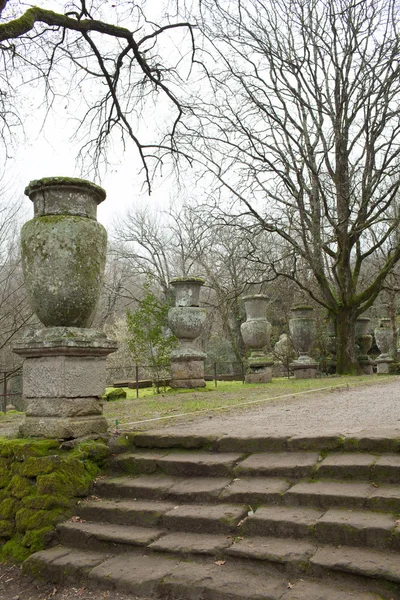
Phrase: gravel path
[341,411]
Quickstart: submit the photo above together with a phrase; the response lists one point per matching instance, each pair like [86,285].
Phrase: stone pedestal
[64,376]
[304,369]
[302,331]
[186,320]
[256,333]
[383,365]
[259,371]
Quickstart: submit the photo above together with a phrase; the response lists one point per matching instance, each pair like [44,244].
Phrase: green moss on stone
[115,394]
[37,539]
[97,452]
[20,487]
[30,518]
[47,502]
[8,508]
[7,527]
[42,465]
[13,550]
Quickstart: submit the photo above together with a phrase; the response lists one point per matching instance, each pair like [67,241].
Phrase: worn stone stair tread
[272,549]
[356,528]
[282,521]
[259,490]
[325,494]
[115,534]
[177,579]
[192,543]
[387,468]
[199,463]
[218,518]
[162,486]
[347,465]
[188,463]
[360,561]
[125,512]
[141,486]
[59,562]
[279,464]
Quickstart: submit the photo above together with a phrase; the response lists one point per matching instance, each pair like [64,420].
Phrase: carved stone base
[383,365]
[187,373]
[259,375]
[304,370]
[63,375]
[367,367]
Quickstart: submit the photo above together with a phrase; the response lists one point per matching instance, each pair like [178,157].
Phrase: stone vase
[256,333]
[302,331]
[186,321]
[384,339]
[63,254]
[364,341]
[64,251]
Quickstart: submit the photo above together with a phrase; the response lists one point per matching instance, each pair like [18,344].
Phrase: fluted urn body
[186,320]
[302,331]
[256,333]
[64,251]
[364,342]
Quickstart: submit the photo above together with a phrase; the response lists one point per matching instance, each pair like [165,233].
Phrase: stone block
[64,407]
[383,366]
[64,376]
[263,375]
[63,428]
[305,372]
[187,373]
[187,369]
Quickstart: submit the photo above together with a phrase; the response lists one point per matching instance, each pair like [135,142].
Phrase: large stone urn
[186,320]
[63,257]
[384,339]
[256,333]
[302,331]
[364,341]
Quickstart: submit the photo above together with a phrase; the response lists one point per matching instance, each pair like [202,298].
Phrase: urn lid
[255,297]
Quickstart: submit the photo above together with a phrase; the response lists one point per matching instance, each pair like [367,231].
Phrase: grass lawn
[158,410]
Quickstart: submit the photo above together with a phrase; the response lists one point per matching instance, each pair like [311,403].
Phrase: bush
[115,394]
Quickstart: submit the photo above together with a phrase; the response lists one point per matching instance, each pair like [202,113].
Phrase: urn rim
[37,185]
[255,297]
[178,280]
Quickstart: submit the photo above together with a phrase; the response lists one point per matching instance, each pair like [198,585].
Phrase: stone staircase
[190,517]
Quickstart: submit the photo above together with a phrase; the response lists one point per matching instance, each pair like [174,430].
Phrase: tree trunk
[346,358]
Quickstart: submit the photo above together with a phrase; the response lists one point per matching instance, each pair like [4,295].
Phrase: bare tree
[111,59]
[301,129]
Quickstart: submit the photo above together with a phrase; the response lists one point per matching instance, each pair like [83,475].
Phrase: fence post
[137,381]
[243,374]
[215,374]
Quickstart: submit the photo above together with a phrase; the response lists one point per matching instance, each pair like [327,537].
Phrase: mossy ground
[39,486]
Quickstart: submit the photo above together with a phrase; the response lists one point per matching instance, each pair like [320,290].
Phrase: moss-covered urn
[64,251]
[256,330]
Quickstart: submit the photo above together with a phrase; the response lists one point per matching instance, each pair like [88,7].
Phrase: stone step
[177,463]
[329,494]
[246,490]
[159,577]
[218,518]
[334,526]
[253,491]
[105,537]
[140,513]
[293,465]
[365,441]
